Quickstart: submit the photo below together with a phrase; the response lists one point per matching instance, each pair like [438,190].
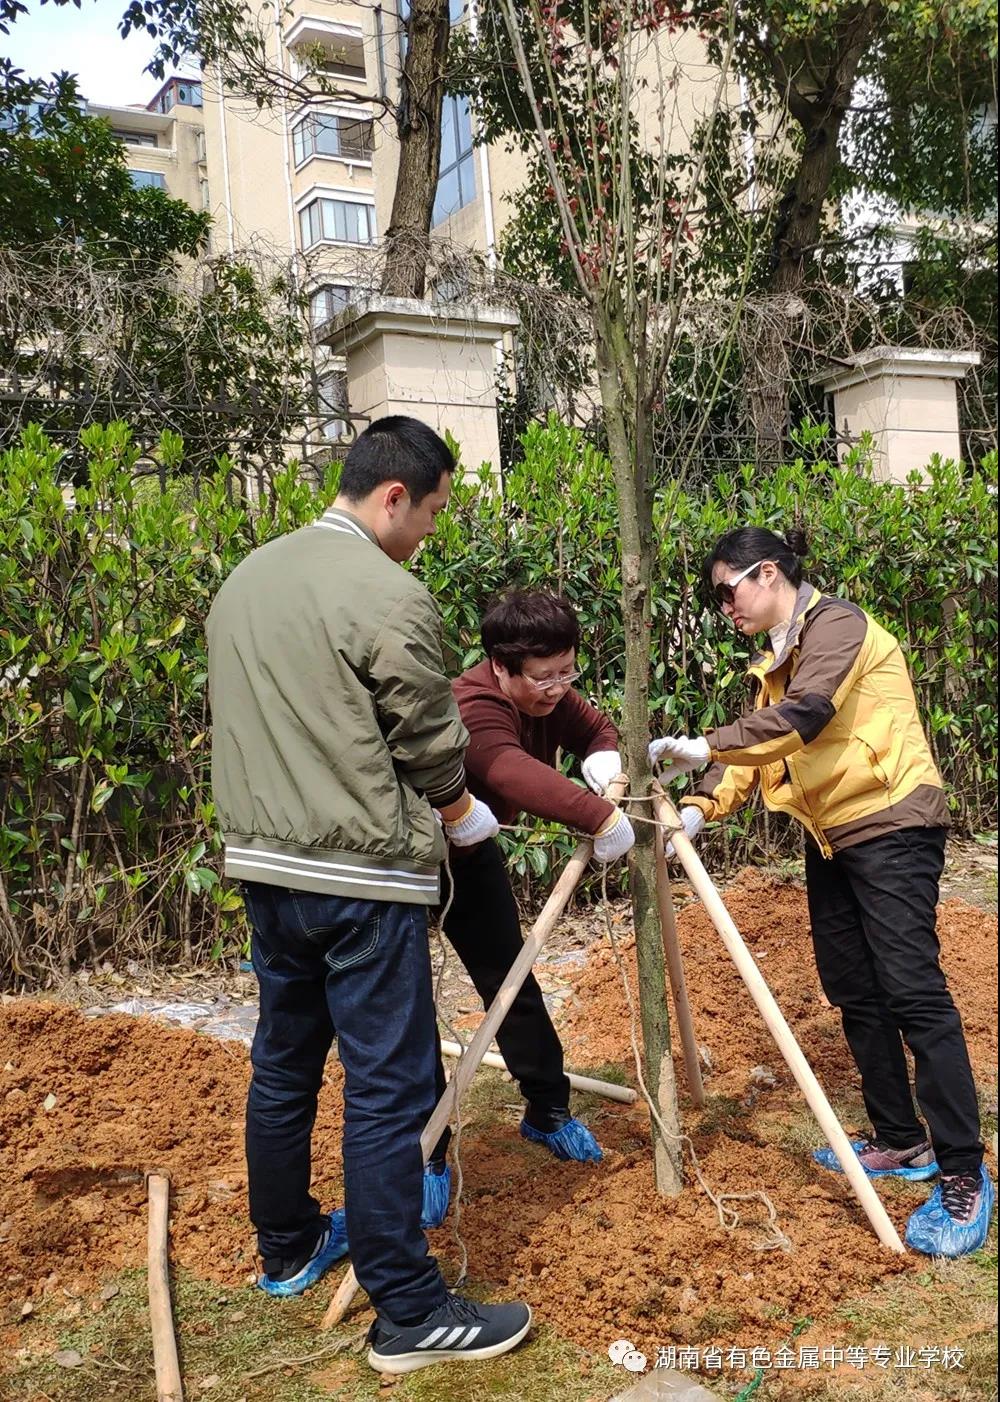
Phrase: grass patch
[949,1304]
[240,1343]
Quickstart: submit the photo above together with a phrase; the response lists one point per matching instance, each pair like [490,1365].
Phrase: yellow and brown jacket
[834,737]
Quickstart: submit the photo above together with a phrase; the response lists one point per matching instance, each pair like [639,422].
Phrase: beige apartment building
[164,142]
[312,182]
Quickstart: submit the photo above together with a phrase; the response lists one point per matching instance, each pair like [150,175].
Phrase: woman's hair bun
[797,542]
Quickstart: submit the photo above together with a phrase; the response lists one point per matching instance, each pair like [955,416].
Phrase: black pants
[484,930]
[873,913]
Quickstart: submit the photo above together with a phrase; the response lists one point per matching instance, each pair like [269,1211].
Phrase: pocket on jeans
[347,932]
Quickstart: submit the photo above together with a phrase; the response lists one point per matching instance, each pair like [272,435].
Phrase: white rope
[729,1218]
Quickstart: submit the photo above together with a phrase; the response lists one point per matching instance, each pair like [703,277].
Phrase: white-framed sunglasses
[725,590]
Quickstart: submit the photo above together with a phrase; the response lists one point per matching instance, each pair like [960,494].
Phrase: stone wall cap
[900,362]
[374,315]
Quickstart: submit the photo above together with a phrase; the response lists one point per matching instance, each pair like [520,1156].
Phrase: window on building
[148,179]
[332,399]
[205,199]
[339,67]
[322,135]
[339,221]
[200,149]
[135,138]
[327,301]
[457,178]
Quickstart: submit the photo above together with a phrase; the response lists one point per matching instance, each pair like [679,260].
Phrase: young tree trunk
[630,448]
[419,129]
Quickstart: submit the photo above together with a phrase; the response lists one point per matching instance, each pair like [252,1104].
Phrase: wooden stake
[169,1387]
[608,1089]
[675,972]
[486,1031]
[778,1027]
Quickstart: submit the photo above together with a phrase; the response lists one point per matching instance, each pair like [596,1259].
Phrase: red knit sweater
[510,760]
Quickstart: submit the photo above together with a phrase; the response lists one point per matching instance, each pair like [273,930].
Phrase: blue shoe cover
[331,1246]
[934,1231]
[437,1191]
[573,1141]
[826,1158]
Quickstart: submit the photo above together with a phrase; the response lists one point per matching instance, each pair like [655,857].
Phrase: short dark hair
[528,623]
[398,449]
[748,544]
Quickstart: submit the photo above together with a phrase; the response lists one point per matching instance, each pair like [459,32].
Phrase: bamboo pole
[675,972]
[485,1032]
[778,1027]
[169,1387]
[608,1089]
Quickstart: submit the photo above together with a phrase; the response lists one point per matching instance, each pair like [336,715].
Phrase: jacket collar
[807,597]
[334,518]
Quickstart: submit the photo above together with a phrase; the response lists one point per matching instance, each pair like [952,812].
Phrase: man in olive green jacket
[335,733]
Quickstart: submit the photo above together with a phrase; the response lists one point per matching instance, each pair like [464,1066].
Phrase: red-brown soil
[593,1249]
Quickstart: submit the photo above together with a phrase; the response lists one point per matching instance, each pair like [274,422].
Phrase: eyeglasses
[725,590]
[553,683]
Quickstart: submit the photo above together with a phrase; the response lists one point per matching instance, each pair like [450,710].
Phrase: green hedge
[108,844]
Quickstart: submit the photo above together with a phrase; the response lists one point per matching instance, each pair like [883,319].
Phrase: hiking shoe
[299,1275]
[879,1160]
[955,1219]
[437,1190]
[561,1134]
[457,1330]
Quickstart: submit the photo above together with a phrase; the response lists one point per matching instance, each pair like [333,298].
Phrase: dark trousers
[360,970]
[873,913]
[484,930]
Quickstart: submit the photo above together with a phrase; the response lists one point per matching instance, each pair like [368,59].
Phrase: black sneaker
[459,1329]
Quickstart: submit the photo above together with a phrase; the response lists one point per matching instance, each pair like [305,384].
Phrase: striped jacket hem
[330,873]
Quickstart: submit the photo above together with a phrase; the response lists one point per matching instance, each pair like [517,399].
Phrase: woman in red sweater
[520,709]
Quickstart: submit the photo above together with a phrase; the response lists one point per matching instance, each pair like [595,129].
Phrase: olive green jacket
[334,726]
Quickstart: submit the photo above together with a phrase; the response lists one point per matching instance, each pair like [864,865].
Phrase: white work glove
[600,768]
[614,839]
[476,824]
[692,821]
[683,753]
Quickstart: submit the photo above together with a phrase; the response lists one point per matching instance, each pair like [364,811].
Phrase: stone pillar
[436,362]
[906,398]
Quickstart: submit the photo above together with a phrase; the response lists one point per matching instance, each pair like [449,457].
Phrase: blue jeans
[360,970]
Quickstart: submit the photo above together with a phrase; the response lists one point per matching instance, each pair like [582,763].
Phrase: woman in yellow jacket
[834,738]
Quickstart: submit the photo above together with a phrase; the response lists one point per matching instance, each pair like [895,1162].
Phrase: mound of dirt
[773,918]
[87,1106]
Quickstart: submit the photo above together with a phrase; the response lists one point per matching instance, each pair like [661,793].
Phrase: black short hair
[748,544]
[396,449]
[528,623]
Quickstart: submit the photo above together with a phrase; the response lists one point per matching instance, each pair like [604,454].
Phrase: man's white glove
[600,768]
[684,754]
[614,839]
[692,821]
[476,824]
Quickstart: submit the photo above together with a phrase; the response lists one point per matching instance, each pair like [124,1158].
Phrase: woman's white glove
[692,821]
[614,839]
[683,753]
[476,824]
[600,768]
